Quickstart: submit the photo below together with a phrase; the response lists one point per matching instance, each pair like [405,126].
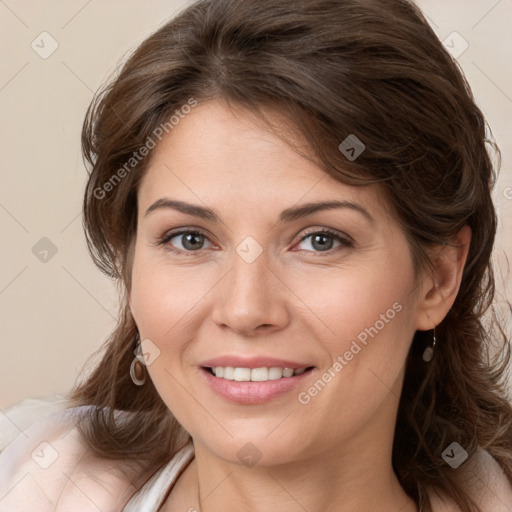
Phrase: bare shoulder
[484,481]
[50,467]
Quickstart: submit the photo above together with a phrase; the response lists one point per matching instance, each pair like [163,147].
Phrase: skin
[295,301]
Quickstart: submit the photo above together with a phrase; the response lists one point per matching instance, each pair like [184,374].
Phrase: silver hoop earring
[428,354]
[137,372]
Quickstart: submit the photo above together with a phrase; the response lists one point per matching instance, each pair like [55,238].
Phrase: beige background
[54,314]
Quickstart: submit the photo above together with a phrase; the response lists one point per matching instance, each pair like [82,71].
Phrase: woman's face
[265,278]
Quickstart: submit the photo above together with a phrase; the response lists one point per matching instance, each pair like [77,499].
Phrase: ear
[438,291]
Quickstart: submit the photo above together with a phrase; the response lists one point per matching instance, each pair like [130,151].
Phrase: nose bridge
[250,295]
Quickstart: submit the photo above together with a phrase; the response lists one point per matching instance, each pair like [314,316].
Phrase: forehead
[217,153]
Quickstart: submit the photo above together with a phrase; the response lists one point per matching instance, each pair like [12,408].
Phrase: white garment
[21,415]
[50,468]
[152,494]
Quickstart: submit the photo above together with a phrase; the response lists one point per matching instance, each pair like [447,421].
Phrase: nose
[251,299]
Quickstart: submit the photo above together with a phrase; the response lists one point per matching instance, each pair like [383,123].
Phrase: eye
[324,240]
[190,241]
[184,241]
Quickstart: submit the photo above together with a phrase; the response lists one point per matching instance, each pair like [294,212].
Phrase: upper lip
[252,362]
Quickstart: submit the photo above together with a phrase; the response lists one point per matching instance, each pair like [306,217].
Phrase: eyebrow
[288,215]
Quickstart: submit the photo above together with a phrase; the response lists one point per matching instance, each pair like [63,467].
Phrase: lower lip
[248,392]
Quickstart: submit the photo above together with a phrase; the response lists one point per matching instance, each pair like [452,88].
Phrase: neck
[342,480]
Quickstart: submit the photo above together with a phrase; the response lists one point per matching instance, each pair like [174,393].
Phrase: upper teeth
[255,374]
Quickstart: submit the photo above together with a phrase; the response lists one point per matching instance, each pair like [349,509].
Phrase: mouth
[252,386]
[262,374]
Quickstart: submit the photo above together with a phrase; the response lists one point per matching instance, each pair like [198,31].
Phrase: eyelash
[345,241]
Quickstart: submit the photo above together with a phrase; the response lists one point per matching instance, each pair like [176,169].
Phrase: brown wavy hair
[372,68]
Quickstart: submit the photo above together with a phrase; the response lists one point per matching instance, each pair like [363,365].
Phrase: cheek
[161,296]
[361,301]
[367,323]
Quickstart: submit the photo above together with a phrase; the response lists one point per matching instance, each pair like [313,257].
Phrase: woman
[295,200]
